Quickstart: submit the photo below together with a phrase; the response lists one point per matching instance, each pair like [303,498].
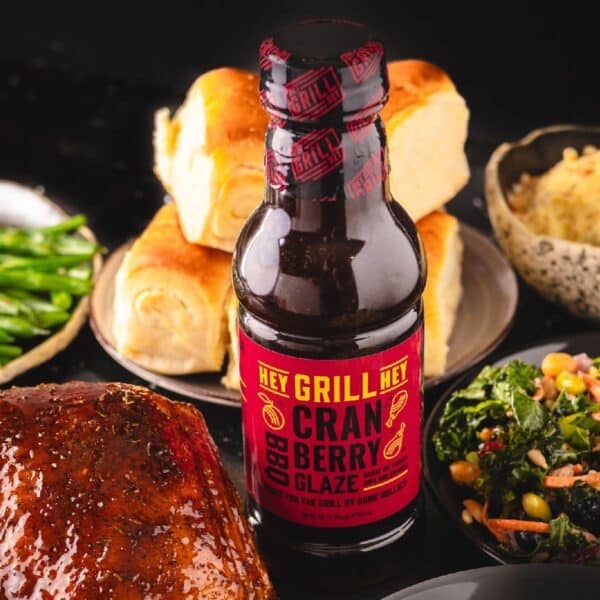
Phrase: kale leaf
[567,404]
[577,429]
[528,413]
[489,396]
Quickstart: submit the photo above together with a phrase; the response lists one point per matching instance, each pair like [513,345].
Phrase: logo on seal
[364,61]
[275,177]
[314,93]
[316,154]
[358,128]
[268,51]
[368,178]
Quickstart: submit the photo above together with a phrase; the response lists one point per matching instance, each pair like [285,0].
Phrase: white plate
[484,318]
[21,206]
[514,582]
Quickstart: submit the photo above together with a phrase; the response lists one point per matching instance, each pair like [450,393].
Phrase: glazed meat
[112,491]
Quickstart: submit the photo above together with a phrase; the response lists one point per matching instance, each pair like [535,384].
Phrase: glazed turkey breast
[109,490]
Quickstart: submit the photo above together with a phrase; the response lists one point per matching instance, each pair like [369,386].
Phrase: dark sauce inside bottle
[328,266]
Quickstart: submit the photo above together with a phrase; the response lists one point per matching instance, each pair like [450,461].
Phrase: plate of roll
[163,306]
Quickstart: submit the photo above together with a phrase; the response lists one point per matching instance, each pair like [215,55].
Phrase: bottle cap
[323,70]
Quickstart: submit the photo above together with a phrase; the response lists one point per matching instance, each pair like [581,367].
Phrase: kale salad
[526,441]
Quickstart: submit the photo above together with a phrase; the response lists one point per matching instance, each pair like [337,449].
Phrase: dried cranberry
[489,446]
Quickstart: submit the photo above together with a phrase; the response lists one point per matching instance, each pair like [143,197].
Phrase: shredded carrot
[475,509]
[518,525]
[501,535]
[486,507]
[556,481]
[592,384]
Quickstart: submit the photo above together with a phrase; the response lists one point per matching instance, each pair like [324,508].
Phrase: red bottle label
[332,443]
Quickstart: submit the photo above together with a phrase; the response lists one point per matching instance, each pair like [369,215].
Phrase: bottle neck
[324,175]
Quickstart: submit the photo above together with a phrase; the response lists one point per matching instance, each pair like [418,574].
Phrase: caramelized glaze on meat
[112,491]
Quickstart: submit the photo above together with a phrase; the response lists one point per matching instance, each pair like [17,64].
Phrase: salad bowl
[446,492]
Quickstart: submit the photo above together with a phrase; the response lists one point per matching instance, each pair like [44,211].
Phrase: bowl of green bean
[48,263]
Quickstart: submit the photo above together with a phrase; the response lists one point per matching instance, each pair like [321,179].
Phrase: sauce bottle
[329,273]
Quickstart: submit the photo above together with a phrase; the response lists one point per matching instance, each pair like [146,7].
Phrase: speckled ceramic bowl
[564,272]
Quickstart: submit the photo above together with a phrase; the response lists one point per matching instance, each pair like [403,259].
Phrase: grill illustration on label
[314,93]
[398,403]
[363,62]
[332,443]
[316,154]
[271,415]
[394,446]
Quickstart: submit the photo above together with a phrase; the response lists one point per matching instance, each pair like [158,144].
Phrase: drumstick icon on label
[398,403]
[394,446]
[271,415]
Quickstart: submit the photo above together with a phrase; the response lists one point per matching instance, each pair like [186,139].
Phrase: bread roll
[170,301]
[439,233]
[426,123]
[209,156]
[231,379]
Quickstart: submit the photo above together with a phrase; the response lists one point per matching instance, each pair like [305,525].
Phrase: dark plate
[445,491]
[515,582]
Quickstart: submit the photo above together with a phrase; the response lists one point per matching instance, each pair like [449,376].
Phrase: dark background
[526,63]
[79,83]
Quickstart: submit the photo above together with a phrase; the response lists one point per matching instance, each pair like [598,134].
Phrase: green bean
[84,273]
[21,294]
[10,351]
[20,327]
[19,241]
[5,337]
[8,305]
[72,244]
[47,241]
[71,224]
[51,319]
[45,263]
[62,300]
[30,303]
[32,280]
[22,299]
[29,306]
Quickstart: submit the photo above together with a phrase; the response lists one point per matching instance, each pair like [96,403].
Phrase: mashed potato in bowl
[564,202]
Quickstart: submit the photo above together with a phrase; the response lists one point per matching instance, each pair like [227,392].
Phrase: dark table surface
[87,141]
